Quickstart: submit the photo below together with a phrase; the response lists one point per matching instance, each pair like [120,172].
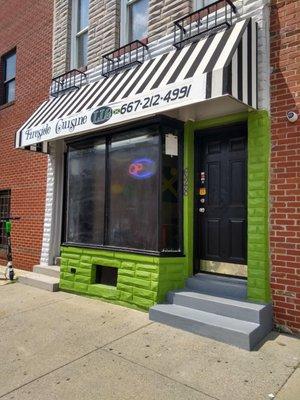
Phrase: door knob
[202,209]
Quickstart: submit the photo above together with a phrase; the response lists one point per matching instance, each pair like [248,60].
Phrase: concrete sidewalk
[62,346]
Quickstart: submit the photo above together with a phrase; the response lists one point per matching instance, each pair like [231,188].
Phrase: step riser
[238,339]
[47,271]
[227,310]
[51,287]
[235,291]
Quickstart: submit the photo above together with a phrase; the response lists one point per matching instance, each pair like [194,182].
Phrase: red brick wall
[26,25]
[285,162]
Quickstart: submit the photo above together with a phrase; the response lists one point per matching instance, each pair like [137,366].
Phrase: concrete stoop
[49,270]
[226,316]
[42,277]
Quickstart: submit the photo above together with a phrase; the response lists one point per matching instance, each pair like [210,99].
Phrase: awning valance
[219,64]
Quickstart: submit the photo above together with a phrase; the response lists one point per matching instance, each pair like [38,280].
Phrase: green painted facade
[145,280]
[142,280]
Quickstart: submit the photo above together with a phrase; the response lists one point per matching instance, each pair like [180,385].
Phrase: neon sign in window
[142,168]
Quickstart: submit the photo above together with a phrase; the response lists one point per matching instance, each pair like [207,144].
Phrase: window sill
[127,250]
[3,106]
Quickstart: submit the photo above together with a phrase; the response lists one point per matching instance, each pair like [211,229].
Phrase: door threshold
[223,268]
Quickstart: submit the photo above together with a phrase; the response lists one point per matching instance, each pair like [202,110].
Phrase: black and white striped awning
[220,64]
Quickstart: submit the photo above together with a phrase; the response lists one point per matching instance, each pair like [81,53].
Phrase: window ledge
[152,253]
[3,106]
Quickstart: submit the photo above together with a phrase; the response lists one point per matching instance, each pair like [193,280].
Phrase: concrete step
[232,308]
[233,331]
[50,270]
[39,281]
[218,286]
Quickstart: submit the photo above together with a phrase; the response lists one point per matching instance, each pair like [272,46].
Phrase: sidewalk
[63,346]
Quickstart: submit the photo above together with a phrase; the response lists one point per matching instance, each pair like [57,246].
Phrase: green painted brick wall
[258,206]
[142,280]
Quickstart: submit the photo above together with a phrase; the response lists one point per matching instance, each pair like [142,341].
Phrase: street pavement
[64,346]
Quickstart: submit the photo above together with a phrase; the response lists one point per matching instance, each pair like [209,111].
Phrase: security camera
[292,116]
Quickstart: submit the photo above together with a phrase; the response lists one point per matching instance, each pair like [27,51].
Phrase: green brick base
[142,280]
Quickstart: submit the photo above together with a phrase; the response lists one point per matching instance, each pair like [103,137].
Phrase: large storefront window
[134,187]
[124,190]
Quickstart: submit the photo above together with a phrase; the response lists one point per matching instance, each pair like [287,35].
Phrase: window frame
[160,122]
[124,21]
[5,82]
[75,34]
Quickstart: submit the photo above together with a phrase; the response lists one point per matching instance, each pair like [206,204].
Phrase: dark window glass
[9,77]
[134,189]
[124,190]
[170,193]
[4,212]
[86,193]
[9,91]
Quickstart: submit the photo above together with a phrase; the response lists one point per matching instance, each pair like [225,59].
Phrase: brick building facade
[285,163]
[270,238]
[25,27]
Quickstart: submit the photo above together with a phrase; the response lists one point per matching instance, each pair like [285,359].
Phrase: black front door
[221,195]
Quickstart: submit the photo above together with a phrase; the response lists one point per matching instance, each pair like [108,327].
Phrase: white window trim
[75,35]
[124,17]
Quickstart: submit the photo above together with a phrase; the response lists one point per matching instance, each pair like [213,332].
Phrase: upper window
[80,26]
[9,77]
[4,212]
[202,3]
[134,20]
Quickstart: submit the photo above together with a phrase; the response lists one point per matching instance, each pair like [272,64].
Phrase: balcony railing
[71,80]
[125,57]
[211,17]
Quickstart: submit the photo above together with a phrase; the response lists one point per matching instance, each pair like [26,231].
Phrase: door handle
[202,210]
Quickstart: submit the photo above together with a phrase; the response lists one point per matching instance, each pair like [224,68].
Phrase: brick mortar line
[74,360]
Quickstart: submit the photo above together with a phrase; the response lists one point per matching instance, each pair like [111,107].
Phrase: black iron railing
[211,17]
[126,56]
[71,80]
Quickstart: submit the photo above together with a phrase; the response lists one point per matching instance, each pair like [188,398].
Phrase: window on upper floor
[80,27]
[8,78]
[202,3]
[134,20]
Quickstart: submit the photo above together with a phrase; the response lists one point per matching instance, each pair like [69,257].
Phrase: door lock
[202,209]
